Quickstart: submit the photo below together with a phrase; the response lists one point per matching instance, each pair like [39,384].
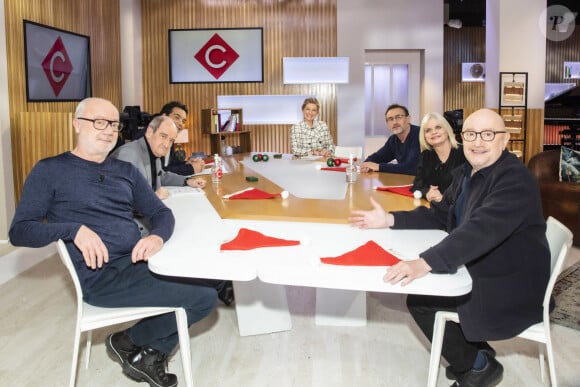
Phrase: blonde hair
[444,124]
[311,100]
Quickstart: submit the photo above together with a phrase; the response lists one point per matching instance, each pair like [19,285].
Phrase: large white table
[259,275]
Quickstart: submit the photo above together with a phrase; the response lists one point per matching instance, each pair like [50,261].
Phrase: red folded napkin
[401,189]
[369,254]
[249,239]
[252,193]
[337,169]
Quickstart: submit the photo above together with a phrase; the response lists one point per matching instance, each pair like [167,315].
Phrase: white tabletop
[193,251]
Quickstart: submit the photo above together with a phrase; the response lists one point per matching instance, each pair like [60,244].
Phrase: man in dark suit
[145,154]
[493,214]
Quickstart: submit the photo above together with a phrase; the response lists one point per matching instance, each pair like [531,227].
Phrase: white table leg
[261,307]
[337,307]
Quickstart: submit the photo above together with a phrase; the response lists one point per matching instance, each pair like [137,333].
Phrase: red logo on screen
[57,66]
[216,56]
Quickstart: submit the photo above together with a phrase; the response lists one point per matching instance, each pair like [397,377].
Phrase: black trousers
[457,350]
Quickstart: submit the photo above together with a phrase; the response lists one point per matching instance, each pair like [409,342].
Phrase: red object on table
[401,190]
[249,239]
[253,193]
[369,254]
[336,169]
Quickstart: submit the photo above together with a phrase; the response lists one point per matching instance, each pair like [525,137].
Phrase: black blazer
[501,241]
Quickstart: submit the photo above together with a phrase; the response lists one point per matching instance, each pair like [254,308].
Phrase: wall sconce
[182,138]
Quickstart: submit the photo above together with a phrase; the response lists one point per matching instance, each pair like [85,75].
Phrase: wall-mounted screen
[58,64]
[216,55]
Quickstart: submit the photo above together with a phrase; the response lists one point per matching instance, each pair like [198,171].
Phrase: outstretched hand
[375,218]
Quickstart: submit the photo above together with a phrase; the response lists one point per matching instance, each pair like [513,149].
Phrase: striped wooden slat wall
[567,50]
[290,30]
[34,140]
[465,45]
[98,19]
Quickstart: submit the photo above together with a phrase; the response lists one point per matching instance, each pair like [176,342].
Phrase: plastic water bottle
[351,170]
[217,172]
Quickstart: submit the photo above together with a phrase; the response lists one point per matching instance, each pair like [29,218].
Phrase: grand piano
[562,108]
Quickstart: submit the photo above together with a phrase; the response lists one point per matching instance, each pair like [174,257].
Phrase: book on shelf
[232,124]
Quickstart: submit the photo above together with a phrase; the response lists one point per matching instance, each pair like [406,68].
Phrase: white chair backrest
[67,261]
[346,151]
[560,241]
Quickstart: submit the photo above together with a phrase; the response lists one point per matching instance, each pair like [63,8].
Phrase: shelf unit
[513,107]
[214,119]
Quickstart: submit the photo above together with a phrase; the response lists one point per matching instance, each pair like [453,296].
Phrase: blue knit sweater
[62,193]
[406,153]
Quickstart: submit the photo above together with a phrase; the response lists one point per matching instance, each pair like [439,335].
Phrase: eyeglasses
[486,135]
[101,124]
[398,117]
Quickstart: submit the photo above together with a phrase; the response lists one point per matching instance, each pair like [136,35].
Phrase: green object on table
[265,158]
[330,162]
[278,156]
[256,158]
[251,178]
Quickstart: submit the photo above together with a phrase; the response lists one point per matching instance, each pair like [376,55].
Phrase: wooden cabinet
[226,125]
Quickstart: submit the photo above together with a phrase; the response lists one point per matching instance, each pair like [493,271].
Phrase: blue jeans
[124,283]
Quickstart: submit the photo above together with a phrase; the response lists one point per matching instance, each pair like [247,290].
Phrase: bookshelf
[226,123]
[513,107]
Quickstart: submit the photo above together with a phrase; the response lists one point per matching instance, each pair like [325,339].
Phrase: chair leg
[541,361]
[183,332]
[88,351]
[436,344]
[551,364]
[75,358]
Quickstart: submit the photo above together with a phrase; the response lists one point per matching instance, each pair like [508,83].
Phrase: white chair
[346,151]
[560,241]
[91,317]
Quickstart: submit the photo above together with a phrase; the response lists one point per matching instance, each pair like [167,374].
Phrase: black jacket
[501,241]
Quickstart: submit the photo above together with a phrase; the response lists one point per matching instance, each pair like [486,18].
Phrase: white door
[391,76]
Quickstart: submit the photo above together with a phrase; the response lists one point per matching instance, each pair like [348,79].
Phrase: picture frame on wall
[57,64]
[216,55]
[513,89]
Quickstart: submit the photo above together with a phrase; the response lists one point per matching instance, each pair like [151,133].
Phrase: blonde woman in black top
[440,154]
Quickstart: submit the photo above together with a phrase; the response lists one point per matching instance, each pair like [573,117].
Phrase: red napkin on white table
[400,189]
[248,240]
[369,254]
[337,169]
[251,193]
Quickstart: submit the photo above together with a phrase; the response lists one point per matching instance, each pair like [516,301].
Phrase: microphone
[101,177]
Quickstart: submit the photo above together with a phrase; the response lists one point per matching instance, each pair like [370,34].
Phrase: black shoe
[226,293]
[452,374]
[489,376]
[120,346]
[148,365]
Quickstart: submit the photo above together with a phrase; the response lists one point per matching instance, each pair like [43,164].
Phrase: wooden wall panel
[98,19]
[462,45]
[39,135]
[567,50]
[290,29]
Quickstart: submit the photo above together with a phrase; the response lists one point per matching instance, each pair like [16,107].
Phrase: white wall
[521,46]
[131,48]
[382,25]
